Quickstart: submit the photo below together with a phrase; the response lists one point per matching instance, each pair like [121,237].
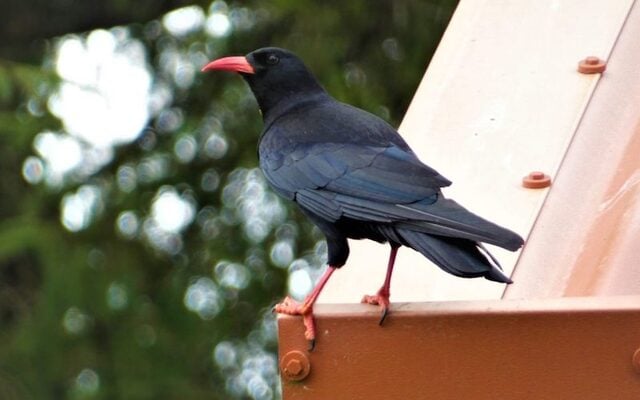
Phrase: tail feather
[448,218]
[459,257]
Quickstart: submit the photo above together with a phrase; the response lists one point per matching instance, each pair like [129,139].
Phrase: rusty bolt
[592,65]
[295,366]
[636,360]
[536,180]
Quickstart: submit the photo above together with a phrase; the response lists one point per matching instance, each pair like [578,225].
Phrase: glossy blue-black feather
[355,177]
[350,158]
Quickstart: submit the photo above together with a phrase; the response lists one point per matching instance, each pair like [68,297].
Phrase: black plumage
[355,177]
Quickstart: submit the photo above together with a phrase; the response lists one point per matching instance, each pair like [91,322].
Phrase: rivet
[636,360]
[295,366]
[592,65]
[536,180]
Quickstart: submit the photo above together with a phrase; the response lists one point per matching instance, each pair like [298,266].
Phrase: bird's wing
[380,184]
[331,178]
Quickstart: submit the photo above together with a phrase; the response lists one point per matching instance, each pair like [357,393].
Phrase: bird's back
[335,140]
[327,120]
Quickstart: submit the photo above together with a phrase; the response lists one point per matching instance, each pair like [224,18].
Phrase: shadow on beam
[565,348]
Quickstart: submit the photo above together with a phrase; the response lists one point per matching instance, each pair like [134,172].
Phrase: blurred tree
[30,24]
[145,268]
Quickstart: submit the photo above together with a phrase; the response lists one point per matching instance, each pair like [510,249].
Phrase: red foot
[379,299]
[292,307]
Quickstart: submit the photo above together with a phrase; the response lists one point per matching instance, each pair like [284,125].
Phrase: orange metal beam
[566,348]
[584,242]
[501,98]
[537,343]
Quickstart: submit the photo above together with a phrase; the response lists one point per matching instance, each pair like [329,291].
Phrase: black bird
[354,177]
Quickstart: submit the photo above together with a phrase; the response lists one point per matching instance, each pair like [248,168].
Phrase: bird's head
[273,74]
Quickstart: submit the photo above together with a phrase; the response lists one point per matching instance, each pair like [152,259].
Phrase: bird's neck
[276,95]
[272,110]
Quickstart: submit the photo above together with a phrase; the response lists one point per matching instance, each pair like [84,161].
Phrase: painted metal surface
[585,241]
[512,98]
[566,348]
[501,98]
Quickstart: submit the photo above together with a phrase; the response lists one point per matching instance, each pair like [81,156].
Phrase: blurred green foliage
[100,314]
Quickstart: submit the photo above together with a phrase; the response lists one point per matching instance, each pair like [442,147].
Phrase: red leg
[292,307]
[382,297]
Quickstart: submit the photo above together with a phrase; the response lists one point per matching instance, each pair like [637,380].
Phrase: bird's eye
[272,59]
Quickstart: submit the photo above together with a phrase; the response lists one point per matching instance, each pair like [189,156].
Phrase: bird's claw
[385,311]
[381,300]
[292,307]
[287,306]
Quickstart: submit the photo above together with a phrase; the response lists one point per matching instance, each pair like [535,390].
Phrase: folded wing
[381,184]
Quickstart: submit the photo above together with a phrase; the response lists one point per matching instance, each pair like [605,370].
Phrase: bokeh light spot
[215,147]
[126,178]
[225,355]
[172,212]
[299,283]
[282,253]
[218,25]
[117,297]
[104,96]
[128,224]
[185,148]
[231,275]
[87,383]
[78,209]
[33,170]
[61,153]
[203,298]
[184,20]
[210,180]
[74,321]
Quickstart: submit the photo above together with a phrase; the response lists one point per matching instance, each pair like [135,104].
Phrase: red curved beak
[235,64]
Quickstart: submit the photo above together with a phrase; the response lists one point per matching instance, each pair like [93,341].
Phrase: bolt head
[295,366]
[536,180]
[591,60]
[592,65]
[536,175]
